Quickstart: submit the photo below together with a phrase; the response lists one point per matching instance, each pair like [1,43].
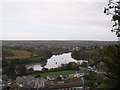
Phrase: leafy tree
[45,69]
[10,71]
[72,66]
[84,64]
[79,55]
[20,70]
[112,61]
[114,10]
[30,71]
[13,71]
[109,62]
[45,53]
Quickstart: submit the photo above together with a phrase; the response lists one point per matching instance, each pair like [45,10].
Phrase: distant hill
[54,43]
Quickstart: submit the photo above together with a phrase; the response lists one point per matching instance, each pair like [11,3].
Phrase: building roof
[81,71]
[4,76]
[66,85]
[52,76]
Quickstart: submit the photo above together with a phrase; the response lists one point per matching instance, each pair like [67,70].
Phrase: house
[79,73]
[31,82]
[4,77]
[24,79]
[51,77]
[63,77]
[40,82]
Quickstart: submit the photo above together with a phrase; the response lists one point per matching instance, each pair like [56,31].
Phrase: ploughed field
[17,54]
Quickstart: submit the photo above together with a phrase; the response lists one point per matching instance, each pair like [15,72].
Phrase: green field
[66,72]
[9,50]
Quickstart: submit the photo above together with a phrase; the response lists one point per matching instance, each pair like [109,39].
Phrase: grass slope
[66,72]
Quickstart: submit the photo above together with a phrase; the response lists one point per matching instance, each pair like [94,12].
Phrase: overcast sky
[55,20]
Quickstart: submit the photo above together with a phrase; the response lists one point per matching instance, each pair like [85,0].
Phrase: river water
[56,61]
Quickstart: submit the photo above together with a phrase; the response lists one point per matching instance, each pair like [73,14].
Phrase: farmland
[17,54]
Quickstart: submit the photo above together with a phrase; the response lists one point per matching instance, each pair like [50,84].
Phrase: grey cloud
[77,17]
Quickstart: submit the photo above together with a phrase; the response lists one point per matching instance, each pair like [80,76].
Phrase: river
[56,61]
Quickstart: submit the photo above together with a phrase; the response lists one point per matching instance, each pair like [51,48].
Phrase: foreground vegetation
[107,61]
